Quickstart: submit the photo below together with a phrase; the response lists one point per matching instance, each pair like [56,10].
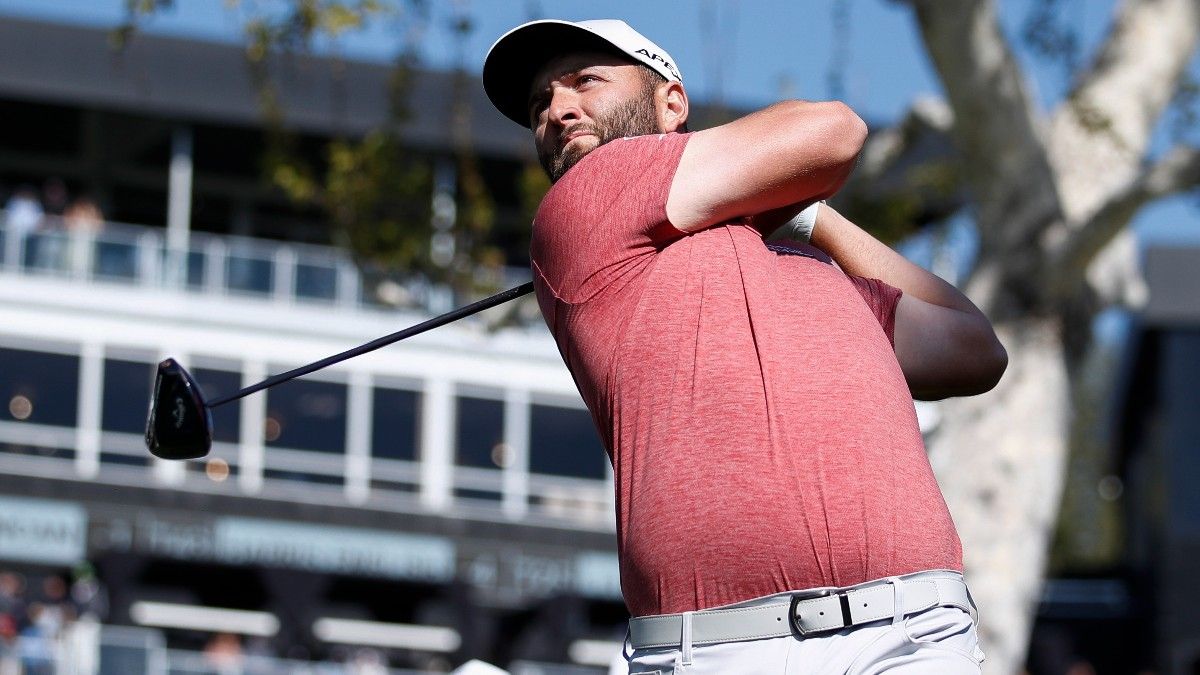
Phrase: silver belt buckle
[843,602]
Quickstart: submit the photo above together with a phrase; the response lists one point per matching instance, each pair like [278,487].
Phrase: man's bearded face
[634,116]
[582,101]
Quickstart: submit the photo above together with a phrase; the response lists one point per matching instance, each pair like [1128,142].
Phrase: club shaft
[448,317]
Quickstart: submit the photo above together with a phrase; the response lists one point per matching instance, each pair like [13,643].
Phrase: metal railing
[284,272]
[181,662]
[88,648]
[313,477]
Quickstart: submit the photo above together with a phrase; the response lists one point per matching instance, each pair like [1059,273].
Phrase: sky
[750,52]
[745,53]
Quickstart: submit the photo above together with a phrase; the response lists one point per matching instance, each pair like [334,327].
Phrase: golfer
[776,512]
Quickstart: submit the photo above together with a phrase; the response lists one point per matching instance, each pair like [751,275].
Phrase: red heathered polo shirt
[762,435]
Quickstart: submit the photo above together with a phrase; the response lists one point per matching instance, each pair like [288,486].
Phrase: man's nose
[564,106]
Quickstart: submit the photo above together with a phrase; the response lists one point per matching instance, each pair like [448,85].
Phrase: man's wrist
[800,226]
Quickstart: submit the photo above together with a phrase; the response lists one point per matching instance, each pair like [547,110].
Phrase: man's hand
[945,345]
[788,153]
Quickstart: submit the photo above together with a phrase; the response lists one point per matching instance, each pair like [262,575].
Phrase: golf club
[179,424]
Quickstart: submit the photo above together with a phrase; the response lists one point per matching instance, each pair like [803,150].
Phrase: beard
[635,117]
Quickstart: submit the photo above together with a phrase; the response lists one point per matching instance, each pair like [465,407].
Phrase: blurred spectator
[81,646]
[47,250]
[9,663]
[1081,667]
[54,196]
[366,662]
[23,215]
[12,614]
[83,215]
[89,604]
[224,654]
[87,595]
[56,610]
[40,633]
[83,221]
[36,645]
[23,210]
[12,600]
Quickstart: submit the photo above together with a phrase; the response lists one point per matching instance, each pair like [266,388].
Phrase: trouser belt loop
[685,639]
[897,599]
[974,611]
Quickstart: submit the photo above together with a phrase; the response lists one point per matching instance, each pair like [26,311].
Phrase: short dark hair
[651,79]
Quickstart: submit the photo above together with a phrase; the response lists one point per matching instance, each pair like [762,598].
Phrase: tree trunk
[1051,195]
[1000,459]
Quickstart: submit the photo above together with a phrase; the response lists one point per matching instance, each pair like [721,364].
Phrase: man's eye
[584,79]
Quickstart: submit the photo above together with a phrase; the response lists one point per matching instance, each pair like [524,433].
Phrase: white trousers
[941,641]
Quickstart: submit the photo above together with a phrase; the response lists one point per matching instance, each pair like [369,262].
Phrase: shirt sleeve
[882,299]
[607,216]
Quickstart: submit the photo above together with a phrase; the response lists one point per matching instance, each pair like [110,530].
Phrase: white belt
[805,612]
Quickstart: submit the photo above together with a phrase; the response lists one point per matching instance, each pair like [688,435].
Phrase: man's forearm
[944,344]
[860,254]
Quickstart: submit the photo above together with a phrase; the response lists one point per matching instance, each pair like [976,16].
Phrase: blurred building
[446,498]
[1140,611]
[443,499]
[1158,450]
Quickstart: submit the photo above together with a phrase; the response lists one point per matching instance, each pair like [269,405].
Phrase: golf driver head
[179,425]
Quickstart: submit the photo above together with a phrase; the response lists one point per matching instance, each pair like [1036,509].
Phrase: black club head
[179,425]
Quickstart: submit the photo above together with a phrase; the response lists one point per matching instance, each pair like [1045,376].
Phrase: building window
[249,272]
[479,444]
[127,387]
[395,426]
[306,415]
[479,426]
[563,442]
[315,281]
[39,387]
[227,419]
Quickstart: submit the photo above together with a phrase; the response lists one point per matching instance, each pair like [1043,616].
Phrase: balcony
[285,273]
[464,421]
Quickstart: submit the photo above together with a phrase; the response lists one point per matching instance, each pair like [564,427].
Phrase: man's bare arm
[945,345]
[790,152]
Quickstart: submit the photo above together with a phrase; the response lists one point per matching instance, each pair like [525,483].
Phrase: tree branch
[1141,60]
[996,128]
[1177,171]
[1101,132]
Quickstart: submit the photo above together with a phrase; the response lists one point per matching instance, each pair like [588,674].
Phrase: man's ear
[672,104]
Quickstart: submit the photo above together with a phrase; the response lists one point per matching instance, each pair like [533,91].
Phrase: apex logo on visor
[655,57]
